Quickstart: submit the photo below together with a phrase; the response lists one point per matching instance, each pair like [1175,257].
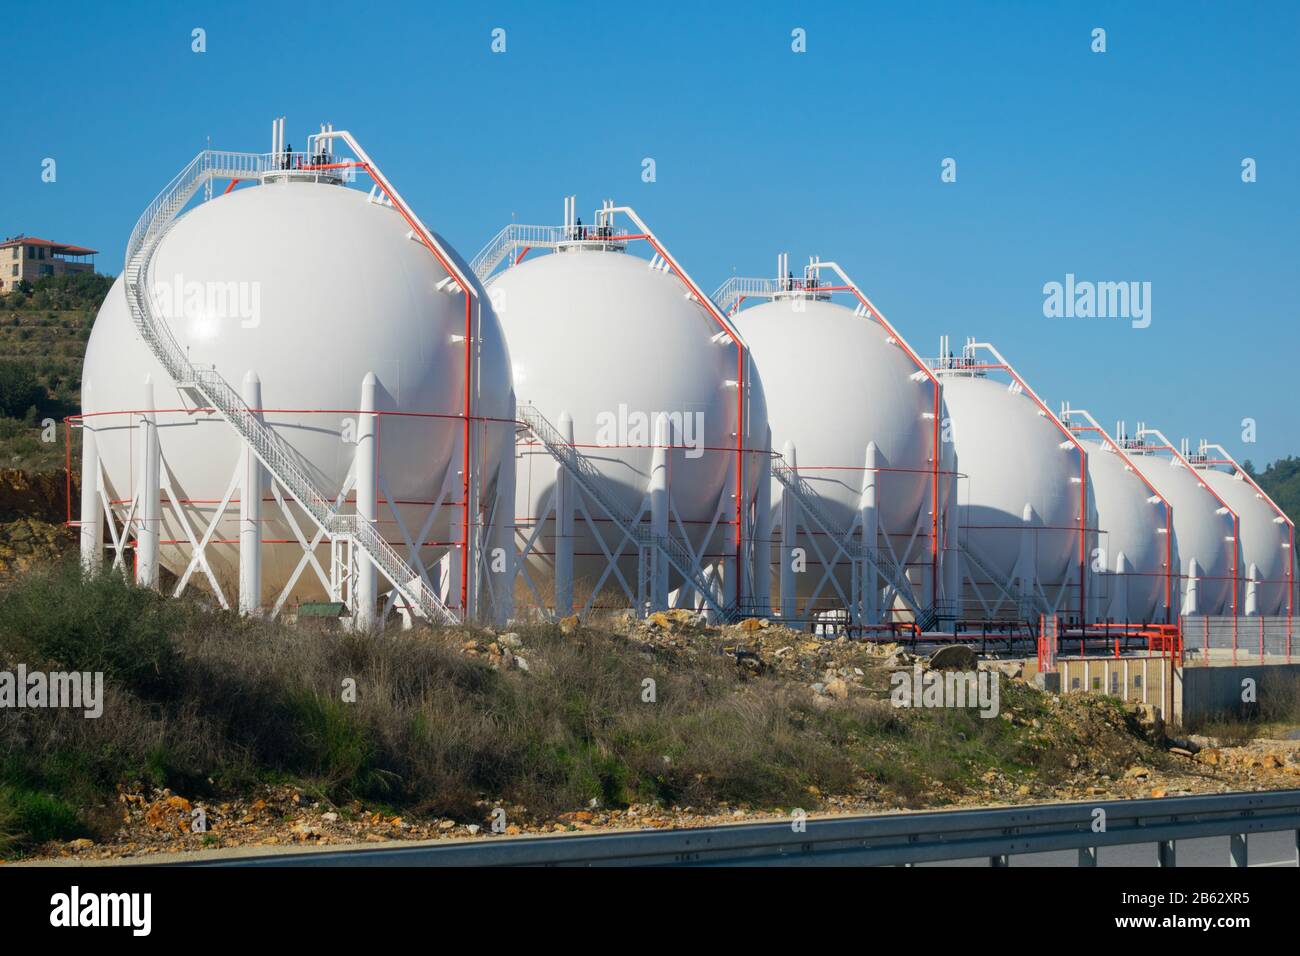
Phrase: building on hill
[26,259]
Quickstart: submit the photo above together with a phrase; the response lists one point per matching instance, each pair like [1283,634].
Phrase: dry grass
[207,703]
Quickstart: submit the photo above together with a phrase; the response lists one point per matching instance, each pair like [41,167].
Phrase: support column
[1120,588]
[501,566]
[789,533]
[1191,599]
[564,492]
[250,510]
[365,591]
[1252,590]
[1026,568]
[91,518]
[952,542]
[763,532]
[148,491]
[729,566]
[868,508]
[659,503]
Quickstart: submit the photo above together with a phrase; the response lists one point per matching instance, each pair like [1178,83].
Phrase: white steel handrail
[515,237]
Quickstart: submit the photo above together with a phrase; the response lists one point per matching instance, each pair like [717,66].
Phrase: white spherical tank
[310,286]
[1011,456]
[835,383]
[1264,542]
[1132,540]
[600,336]
[1202,535]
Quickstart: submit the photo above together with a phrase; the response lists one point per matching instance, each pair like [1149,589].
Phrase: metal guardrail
[888,840]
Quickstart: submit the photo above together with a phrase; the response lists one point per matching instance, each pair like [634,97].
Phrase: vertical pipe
[250,510]
[564,492]
[471,346]
[952,542]
[149,494]
[365,590]
[658,487]
[91,523]
[789,531]
[502,564]
[731,584]
[868,508]
[763,532]
[1191,595]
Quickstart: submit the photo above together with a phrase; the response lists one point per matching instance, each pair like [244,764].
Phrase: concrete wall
[1210,692]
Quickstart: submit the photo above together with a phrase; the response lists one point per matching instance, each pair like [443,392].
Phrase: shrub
[18,388]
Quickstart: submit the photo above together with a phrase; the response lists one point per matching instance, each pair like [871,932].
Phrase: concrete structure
[26,259]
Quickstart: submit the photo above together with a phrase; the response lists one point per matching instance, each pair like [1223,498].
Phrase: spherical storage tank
[1203,536]
[835,383]
[1263,544]
[1132,540]
[318,287]
[1017,472]
[600,336]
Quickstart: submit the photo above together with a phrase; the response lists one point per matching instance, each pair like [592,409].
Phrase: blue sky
[1122,166]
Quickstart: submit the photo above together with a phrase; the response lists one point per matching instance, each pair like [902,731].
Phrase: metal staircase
[209,389]
[880,560]
[592,483]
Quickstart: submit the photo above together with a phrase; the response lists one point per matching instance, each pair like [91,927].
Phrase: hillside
[311,735]
[43,336]
[1281,482]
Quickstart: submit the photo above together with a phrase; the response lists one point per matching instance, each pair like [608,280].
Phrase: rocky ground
[33,507]
[1155,764]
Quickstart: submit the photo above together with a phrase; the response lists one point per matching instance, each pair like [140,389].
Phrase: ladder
[879,559]
[592,483]
[209,389]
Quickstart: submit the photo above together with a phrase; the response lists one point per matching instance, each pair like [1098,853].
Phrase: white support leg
[91,522]
[658,488]
[501,567]
[148,494]
[951,555]
[763,534]
[868,508]
[365,592]
[1119,589]
[1191,600]
[789,533]
[1252,590]
[564,507]
[250,511]
[729,565]
[1026,568]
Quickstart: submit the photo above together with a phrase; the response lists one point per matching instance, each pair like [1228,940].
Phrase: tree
[19,389]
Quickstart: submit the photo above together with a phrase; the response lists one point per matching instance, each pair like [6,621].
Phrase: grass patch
[206,702]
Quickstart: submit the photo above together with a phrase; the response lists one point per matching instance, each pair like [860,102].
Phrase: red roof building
[26,259]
